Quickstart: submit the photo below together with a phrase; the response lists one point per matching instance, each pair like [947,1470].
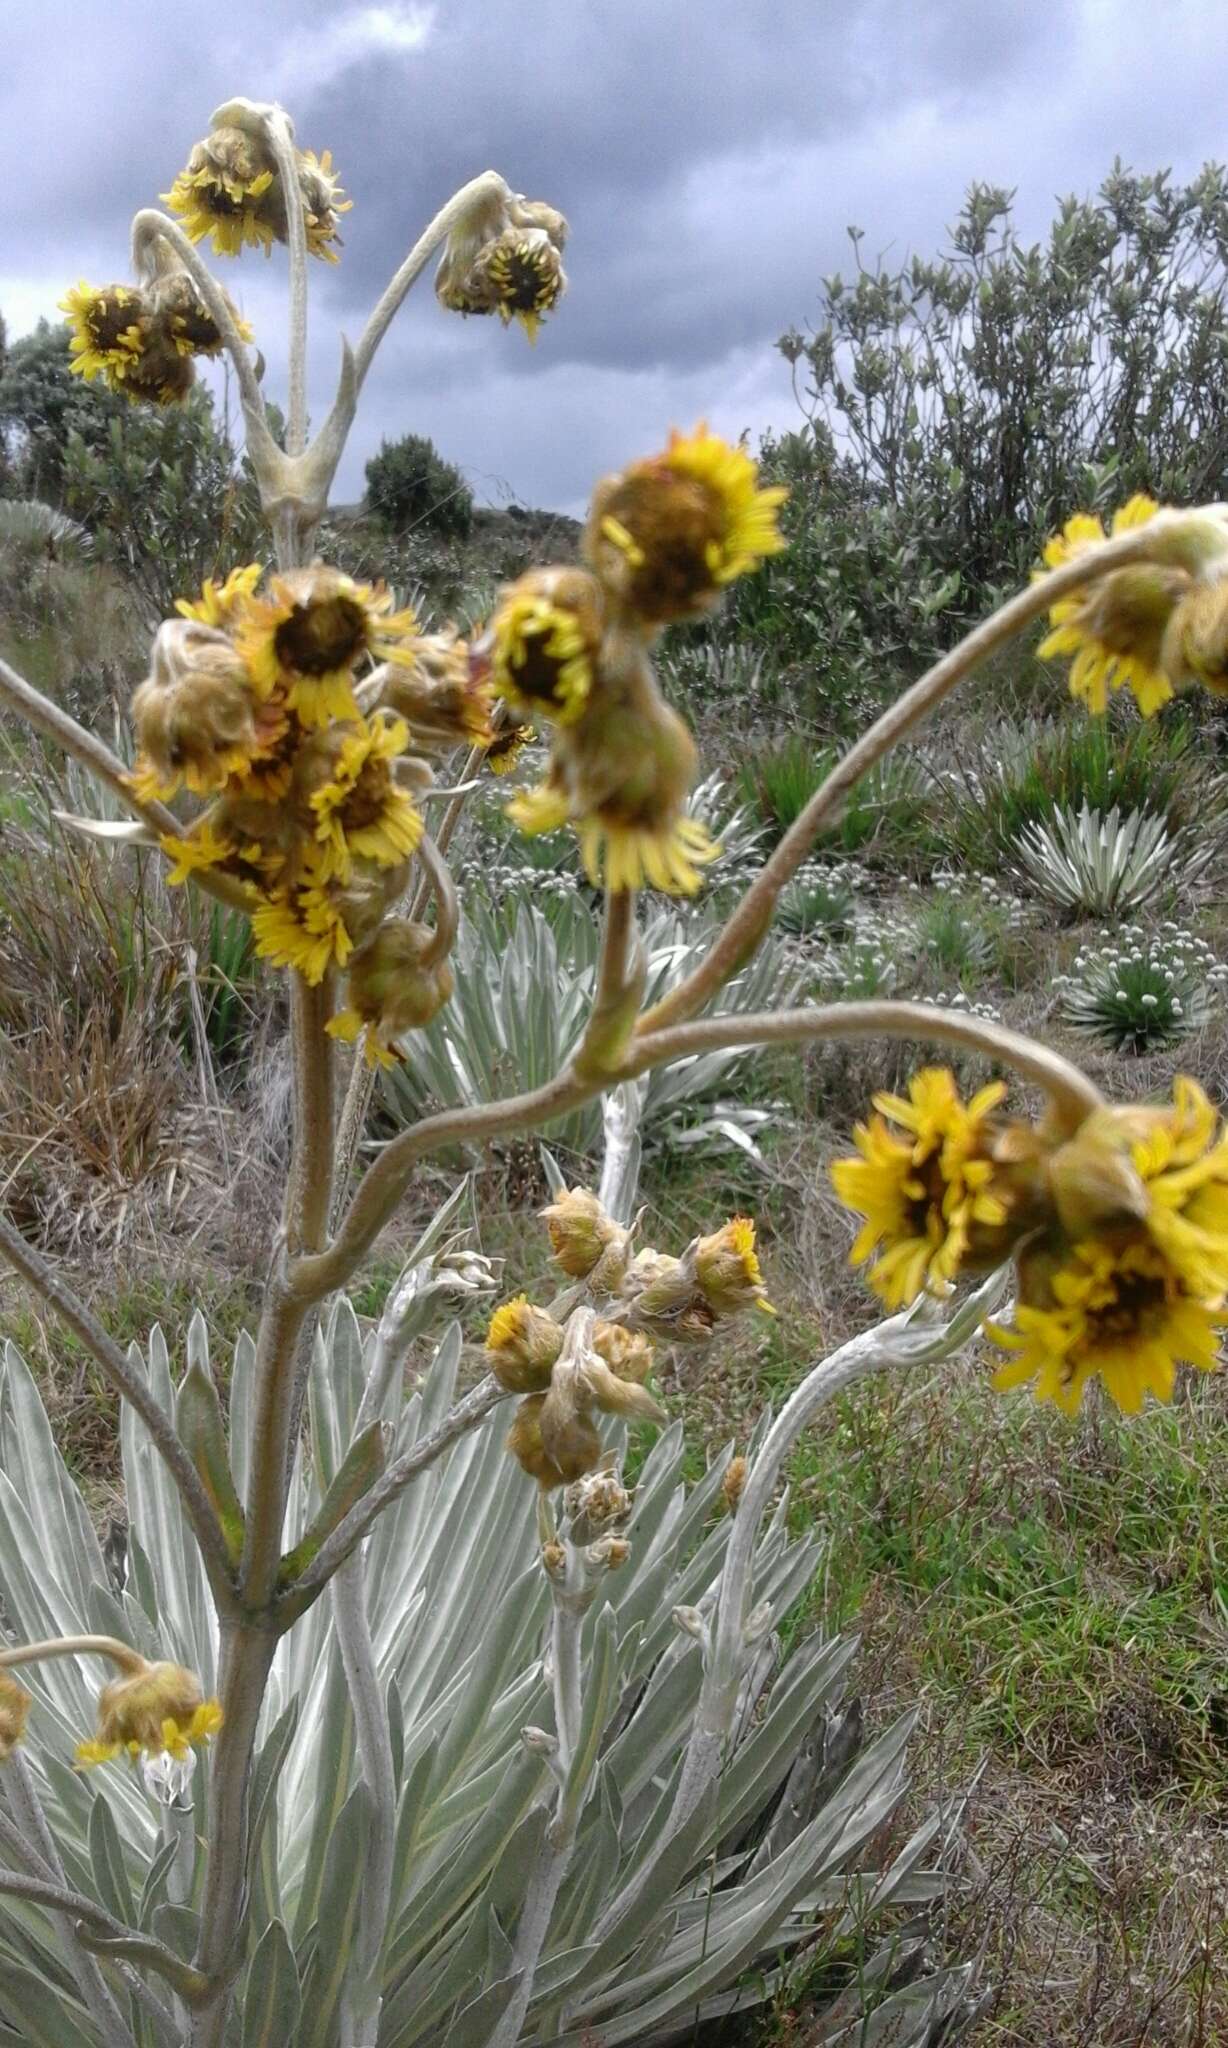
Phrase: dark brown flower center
[367,800]
[320,637]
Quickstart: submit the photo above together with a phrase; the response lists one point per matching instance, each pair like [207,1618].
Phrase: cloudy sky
[708,157]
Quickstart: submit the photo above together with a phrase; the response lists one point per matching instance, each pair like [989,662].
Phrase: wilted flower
[157,1708]
[683,1300]
[444,696]
[553,1435]
[574,1450]
[586,1242]
[392,988]
[197,718]
[15,1704]
[669,533]
[596,1505]
[507,746]
[544,642]
[307,634]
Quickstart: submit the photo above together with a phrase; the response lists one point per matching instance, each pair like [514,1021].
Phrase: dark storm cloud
[709,159]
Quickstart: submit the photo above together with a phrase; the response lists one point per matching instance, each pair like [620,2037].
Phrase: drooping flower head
[307,634]
[668,534]
[1115,627]
[443,696]
[105,330]
[344,776]
[159,1709]
[1130,1277]
[504,256]
[231,189]
[553,1436]
[304,927]
[925,1180]
[1195,647]
[393,986]
[621,776]
[544,642]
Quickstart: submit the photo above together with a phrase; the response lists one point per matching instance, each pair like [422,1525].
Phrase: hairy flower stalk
[298,718]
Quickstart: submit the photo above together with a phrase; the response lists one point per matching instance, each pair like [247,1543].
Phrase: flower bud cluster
[599,1361]
[142,339]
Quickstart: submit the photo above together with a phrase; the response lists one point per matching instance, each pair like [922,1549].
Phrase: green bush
[410,485]
[886,815]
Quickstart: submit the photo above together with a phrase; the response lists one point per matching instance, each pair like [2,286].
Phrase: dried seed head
[444,697]
[597,1504]
[196,716]
[574,1447]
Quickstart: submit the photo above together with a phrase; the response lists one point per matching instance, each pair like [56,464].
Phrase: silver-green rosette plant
[405,1718]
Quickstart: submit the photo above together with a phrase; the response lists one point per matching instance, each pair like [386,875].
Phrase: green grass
[886,816]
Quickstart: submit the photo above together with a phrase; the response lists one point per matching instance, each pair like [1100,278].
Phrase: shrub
[1139,990]
[1091,864]
[410,485]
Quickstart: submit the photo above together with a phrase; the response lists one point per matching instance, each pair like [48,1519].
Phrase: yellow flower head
[1195,647]
[307,634]
[1114,1308]
[305,929]
[200,849]
[586,1242]
[224,191]
[1115,628]
[105,330]
[157,1710]
[504,256]
[504,752]
[520,276]
[544,642]
[196,717]
[220,604]
[669,533]
[522,1344]
[185,319]
[358,812]
[442,694]
[928,1188]
[148,366]
[727,1269]
[15,1703]
[393,988]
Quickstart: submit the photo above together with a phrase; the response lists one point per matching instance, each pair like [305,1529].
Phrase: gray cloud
[709,160]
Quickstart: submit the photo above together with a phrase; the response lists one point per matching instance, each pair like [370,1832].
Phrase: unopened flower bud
[1196,639]
[628,1353]
[574,1448]
[391,988]
[691,1622]
[522,1345]
[586,1242]
[554,1559]
[611,1551]
[727,1269]
[733,1483]
[665,1301]
[15,1704]
[436,689]
[596,1505]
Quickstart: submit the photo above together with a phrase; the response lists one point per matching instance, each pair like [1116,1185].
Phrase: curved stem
[438,876]
[281,140]
[748,921]
[115,1368]
[1071,1091]
[487,185]
[150,225]
[121,1654]
[381,1187]
[55,724]
[139,1947]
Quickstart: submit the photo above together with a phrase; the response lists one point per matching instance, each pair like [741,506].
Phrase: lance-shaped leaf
[198,1418]
[359,1469]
